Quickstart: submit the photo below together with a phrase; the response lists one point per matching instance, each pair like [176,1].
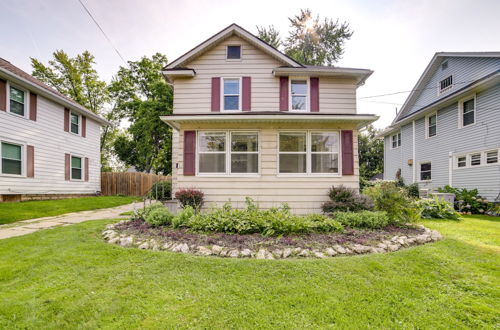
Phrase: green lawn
[69,278]
[11,212]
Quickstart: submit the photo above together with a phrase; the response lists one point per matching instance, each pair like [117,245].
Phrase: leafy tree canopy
[371,153]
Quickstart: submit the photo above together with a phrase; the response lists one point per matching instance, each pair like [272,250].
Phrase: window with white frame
[432,125]
[231,94]
[17,101]
[475,159]
[445,84]
[468,112]
[425,171]
[309,152]
[461,161]
[233,52]
[76,168]
[396,140]
[298,94]
[12,158]
[492,157]
[215,157]
[75,123]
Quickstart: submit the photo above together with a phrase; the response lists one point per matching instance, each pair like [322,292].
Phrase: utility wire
[104,33]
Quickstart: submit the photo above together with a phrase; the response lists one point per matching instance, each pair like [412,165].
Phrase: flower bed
[139,234]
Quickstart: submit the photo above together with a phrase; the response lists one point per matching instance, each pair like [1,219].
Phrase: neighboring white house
[49,144]
[250,121]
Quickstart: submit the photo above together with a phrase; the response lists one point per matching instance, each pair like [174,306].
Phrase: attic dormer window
[233,52]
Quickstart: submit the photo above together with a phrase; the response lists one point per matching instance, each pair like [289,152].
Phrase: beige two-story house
[250,121]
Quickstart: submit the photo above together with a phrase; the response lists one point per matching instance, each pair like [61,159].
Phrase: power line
[107,38]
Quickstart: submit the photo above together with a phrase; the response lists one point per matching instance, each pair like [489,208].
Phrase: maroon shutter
[84,126]
[30,160]
[246,99]
[347,153]
[189,152]
[86,169]
[3,95]
[314,94]
[33,106]
[283,93]
[215,94]
[66,119]
[67,167]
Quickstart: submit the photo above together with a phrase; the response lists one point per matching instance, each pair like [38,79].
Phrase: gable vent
[445,84]
[444,65]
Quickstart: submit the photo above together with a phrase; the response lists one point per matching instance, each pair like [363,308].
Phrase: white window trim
[441,91]
[468,156]
[399,142]
[79,123]
[228,153]
[26,100]
[308,153]
[427,136]
[461,111]
[71,167]
[23,158]
[234,59]
[420,171]
[240,96]
[308,96]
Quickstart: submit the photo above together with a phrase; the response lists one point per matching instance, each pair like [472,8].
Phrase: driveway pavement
[29,226]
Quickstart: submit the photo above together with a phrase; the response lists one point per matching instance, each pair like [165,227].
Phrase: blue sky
[396,39]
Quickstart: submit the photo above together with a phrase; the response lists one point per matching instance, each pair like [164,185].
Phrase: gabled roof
[23,78]
[233,29]
[436,60]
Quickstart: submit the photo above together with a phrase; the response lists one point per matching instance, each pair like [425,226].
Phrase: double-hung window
[309,152]
[17,101]
[492,157]
[468,112]
[75,123]
[396,140]
[431,125]
[228,152]
[475,159]
[298,94]
[425,171]
[462,161]
[12,158]
[76,168]
[231,94]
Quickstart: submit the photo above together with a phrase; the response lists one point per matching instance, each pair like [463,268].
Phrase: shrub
[394,200]
[346,199]
[467,201]
[160,191]
[437,208]
[413,190]
[183,216]
[191,197]
[159,217]
[365,219]
[143,213]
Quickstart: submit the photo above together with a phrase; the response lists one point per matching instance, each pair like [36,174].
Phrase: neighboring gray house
[448,130]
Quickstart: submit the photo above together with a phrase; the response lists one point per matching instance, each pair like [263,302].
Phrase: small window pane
[299,87]
[17,108]
[432,131]
[16,95]
[292,163]
[244,163]
[468,118]
[244,142]
[325,163]
[492,157]
[212,163]
[462,161]
[292,142]
[231,102]
[475,159]
[212,142]
[11,151]
[76,173]
[76,162]
[11,166]
[233,52]
[324,142]
[231,86]
[299,102]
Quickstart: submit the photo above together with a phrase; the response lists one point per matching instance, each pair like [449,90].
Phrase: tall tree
[141,95]
[270,35]
[371,153]
[310,41]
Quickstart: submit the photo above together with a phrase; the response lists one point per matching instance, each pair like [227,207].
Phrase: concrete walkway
[24,227]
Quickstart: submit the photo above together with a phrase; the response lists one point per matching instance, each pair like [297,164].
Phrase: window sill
[13,176]
[470,125]
[310,175]
[424,181]
[223,175]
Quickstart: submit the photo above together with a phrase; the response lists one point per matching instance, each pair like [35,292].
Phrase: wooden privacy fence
[128,184]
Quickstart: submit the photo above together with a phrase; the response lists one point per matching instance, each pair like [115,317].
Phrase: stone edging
[394,244]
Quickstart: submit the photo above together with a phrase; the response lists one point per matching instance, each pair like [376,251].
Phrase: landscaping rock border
[394,244]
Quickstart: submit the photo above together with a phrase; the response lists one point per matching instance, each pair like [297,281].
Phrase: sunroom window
[325,152]
[475,159]
[11,158]
[231,93]
[462,161]
[212,152]
[17,101]
[492,157]
[244,152]
[75,123]
[299,94]
[293,152]
[76,168]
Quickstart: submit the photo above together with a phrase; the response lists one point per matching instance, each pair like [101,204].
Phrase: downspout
[450,169]
[414,152]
